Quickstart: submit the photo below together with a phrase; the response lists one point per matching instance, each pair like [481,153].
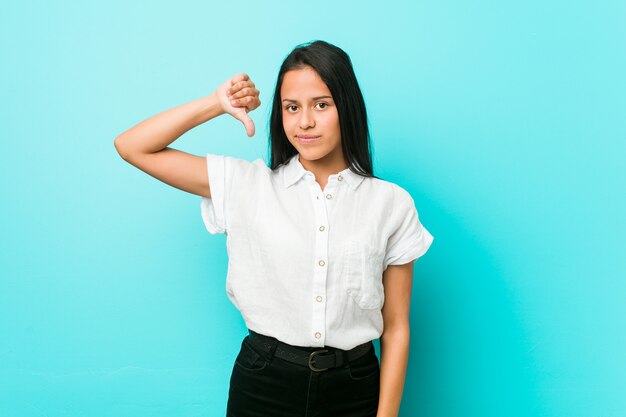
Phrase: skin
[309,109]
[394,342]
[145,146]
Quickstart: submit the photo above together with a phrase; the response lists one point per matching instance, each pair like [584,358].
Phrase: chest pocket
[363,274]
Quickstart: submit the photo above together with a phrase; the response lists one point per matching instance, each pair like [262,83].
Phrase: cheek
[332,122]
[287,124]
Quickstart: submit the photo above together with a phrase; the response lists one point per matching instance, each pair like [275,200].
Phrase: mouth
[307,138]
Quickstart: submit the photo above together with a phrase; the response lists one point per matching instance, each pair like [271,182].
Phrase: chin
[311,155]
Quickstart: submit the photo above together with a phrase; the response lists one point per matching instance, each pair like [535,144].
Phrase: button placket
[320,273]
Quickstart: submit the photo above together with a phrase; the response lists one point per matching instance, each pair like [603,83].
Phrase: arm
[146,145]
[394,342]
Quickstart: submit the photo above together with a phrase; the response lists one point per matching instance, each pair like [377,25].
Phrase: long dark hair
[334,68]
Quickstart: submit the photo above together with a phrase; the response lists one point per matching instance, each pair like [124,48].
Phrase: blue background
[504,120]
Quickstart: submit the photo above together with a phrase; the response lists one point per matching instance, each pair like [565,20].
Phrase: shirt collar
[293,171]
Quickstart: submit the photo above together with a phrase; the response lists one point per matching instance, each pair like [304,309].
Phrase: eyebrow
[314,98]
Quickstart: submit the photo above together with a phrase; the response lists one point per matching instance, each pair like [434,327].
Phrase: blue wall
[505,121]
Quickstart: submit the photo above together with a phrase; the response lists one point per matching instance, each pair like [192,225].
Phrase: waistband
[316,359]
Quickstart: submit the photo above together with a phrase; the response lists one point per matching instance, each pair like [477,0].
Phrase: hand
[238,96]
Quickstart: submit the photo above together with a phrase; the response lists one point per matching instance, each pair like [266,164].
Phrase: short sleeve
[232,182]
[213,209]
[410,239]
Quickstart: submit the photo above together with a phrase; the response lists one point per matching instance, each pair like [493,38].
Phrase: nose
[306,119]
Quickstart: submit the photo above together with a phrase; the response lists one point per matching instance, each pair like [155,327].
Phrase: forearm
[394,347]
[159,131]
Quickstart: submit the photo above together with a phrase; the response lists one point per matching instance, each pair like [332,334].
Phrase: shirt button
[322,228]
[318,335]
[319,298]
[329,196]
[321,263]
[340,178]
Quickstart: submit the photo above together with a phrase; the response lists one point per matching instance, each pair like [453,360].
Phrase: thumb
[247,122]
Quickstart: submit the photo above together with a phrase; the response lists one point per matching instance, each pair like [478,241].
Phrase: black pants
[262,385]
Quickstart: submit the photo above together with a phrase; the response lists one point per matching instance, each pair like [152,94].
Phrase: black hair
[334,67]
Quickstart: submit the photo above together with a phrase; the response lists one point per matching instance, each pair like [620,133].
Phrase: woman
[320,250]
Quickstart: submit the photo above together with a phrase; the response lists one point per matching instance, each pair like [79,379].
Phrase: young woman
[320,250]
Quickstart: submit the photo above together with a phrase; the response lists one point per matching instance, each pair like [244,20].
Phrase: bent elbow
[119,147]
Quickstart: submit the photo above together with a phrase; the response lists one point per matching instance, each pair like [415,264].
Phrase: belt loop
[344,358]
[273,346]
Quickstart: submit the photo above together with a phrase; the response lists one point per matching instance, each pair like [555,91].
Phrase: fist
[238,96]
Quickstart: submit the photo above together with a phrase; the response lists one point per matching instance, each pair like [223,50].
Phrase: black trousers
[262,385]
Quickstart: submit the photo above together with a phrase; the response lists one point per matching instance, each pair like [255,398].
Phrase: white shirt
[305,264]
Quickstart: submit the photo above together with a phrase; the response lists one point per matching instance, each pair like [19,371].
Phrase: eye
[288,108]
[323,104]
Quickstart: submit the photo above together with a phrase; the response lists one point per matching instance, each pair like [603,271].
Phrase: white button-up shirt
[305,264]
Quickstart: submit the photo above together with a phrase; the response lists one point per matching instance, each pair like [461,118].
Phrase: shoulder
[237,165]
[388,191]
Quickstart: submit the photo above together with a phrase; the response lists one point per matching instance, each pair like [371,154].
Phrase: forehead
[303,83]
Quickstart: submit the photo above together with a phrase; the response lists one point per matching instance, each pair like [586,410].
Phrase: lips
[307,138]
